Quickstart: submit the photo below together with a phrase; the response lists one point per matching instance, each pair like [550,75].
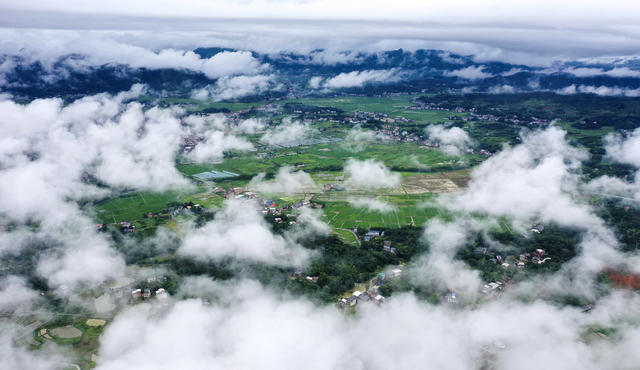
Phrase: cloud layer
[452,140]
[369,174]
[240,232]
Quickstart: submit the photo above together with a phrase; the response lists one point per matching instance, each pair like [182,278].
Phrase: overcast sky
[536,32]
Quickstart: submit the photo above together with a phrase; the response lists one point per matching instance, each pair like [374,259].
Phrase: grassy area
[350,104]
[205,199]
[134,206]
[191,169]
[408,210]
[346,236]
[332,157]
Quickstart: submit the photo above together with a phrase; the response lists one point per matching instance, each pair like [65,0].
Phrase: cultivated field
[134,206]
[407,210]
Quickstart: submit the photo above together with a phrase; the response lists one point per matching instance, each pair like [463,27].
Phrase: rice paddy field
[406,210]
[331,157]
[134,206]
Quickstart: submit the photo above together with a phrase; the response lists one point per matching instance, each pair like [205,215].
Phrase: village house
[386,246]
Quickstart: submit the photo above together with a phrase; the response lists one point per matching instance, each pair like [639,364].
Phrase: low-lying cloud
[452,140]
[240,232]
[357,138]
[232,87]
[599,90]
[247,326]
[369,174]
[287,133]
[356,79]
[286,181]
[469,73]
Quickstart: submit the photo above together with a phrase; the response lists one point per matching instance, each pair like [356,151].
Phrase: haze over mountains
[250,74]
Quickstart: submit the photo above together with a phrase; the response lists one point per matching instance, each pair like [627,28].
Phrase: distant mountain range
[320,72]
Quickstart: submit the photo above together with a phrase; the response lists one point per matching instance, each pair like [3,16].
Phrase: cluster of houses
[474,116]
[147,293]
[537,228]
[372,293]
[539,256]
[396,134]
[492,287]
[127,227]
[123,290]
[320,115]
[160,293]
[172,211]
[425,106]
[190,142]
[514,119]
[362,297]
[365,117]
[370,235]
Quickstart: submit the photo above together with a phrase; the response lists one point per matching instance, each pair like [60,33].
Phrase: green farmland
[331,157]
[408,210]
[134,206]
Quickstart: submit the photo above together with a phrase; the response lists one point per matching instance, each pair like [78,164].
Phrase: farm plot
[405,210]
[134,206]
[66,332]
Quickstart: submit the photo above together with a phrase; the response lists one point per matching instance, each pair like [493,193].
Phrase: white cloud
[100,48]
[502,89]
[311,223]
[613,186]
[369,174]
[538,180]
[231,63]
[469,73]
[452,140]
[357,138]
[535,177]
[614,72]
[121,144]
[490,32]
[287,133]
[218,136]
[15,295]
[15,356]
[599,90]
[216,144]
[247,326]
[83,261]
[439,268]
[286,181]
[512,72]
[624,150]
[360,78]
[234,87]
[251,126]
[240,232]
[314,82]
